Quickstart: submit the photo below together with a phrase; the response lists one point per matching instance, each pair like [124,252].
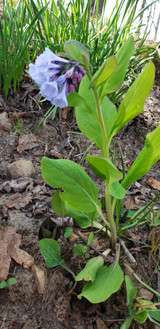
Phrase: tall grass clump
[30,26]
[16,33]
[87,22]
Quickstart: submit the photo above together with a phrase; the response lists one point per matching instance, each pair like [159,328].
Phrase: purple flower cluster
[56,77]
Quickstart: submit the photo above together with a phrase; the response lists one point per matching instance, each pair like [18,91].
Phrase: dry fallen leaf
[145,294]
[153,183]
[9,248]
[73,237]
[18,185]
[40,276]
[27,142]
[100,324]
[130,203]
[18,200]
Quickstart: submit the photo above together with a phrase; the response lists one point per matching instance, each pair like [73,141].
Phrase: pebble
[21,168]
[4,122]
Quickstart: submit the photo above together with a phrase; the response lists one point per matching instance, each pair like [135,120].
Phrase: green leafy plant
[81,250]
[6,284]
[139,309]
[77,195]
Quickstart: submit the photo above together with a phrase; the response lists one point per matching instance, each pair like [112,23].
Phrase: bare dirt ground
[25,204]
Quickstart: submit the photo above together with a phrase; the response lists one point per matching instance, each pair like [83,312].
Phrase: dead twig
[129,255]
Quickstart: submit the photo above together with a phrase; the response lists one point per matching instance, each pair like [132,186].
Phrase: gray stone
[19,220]
[4,122]
[21,168]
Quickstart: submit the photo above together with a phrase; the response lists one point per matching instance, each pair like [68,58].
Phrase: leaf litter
[9,248]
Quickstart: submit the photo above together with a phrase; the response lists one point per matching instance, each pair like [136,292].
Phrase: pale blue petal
[47,57]
[37,75]
[61,79]
[49,90]
[61,100]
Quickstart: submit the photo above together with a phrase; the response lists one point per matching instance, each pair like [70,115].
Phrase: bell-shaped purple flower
[60,100]
[56,77]
[49,90]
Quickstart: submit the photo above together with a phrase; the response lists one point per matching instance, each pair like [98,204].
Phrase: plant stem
[100,117]
[143,283]
[102,126]
[106,156]
[110,217]
[68,269]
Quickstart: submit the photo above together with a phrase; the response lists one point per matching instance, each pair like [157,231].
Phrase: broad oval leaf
[87,117]
[58,205]
[104,72]
[74,99]
[123,57]
[141,317]
[108,280]
[77,50]
[117,190]
[80,218]
[133,102]
[11,281]
[90,270]
[145,160]
[3,284]
[104,168]
[80,192]
[155,314]
[50,251]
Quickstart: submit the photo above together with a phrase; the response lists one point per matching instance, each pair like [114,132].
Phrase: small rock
[21,168]
[4,122]
[20,220]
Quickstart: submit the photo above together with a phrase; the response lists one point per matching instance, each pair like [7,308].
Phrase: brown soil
[21,306]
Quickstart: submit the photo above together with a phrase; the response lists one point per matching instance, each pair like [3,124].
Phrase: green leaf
[11,281]
[90,270]
[126,324]
[104,168]
[109,114]
[155,314]
[68,232]
[58,204]
[131,292]
[80,218]
[133,102]
[145,160]
[3,284]
[108,280]
[141,317]
[50,251]
[80,192]
[104,72]
[77,50]
[74,99]
[117,190]
[87,118]
[61,208]
[123,57]
[80,249]
[90,238]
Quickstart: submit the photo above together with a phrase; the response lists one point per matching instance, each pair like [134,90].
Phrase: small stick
[129,255]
